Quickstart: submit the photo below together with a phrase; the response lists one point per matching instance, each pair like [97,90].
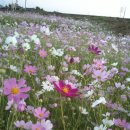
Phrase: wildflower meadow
[58,73]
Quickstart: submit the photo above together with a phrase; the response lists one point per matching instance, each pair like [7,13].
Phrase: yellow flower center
[99,77]
[120,124]
[42,53]
[30,71]
[41,115]
[37,129]
[65,89]
[15,90]
[22,126]
[99,65]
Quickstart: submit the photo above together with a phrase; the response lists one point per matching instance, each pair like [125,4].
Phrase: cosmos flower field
[57,73]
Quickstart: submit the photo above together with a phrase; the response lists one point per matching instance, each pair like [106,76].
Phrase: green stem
[62,113]
[10,119]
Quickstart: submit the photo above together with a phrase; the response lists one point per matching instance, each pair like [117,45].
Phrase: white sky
[89,7]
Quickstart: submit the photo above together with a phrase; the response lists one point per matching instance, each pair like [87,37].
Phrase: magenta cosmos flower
[15,91]
[94,49]
[41,113]
[42,53]
[30,69]
[65,89]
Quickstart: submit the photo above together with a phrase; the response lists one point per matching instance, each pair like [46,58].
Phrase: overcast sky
[114,8]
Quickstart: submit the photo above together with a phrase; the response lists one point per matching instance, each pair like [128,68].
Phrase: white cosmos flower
[99,101]
[47,86]
[39,93]
[128,79]
[43,29]
[83,110]
[57,52]
[46,124]
[35,39]
[11,40]
[56,78]
[78,84]
[16,34]
[26,46]
[75,72]
[64,68]
[9,104]
[101,127]
[14,68]
[107,122]
[114,47]
[26,40]
[89,93]
[95,83]
[106,115]
[5,47]
[46,30]
[128,88]
[114,64]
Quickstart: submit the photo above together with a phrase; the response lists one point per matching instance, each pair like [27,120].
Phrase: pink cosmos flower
[20,124]
[30,109]
[43,125]
[21,50]
[52,79]
[41,113]
[15,91]
[103,42]
[94,49]
[121,123]
[42,53]
[64,64]
[37,126]
[70,59]
[100,75]
[23,124]
[37,46]
[71,48]
[49,45]
[99,64]
[30,69]
[51,68]
[65,89]
[87,69]
[21,106]
[46,124]
[53,105]
[28,125]
[76,59]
